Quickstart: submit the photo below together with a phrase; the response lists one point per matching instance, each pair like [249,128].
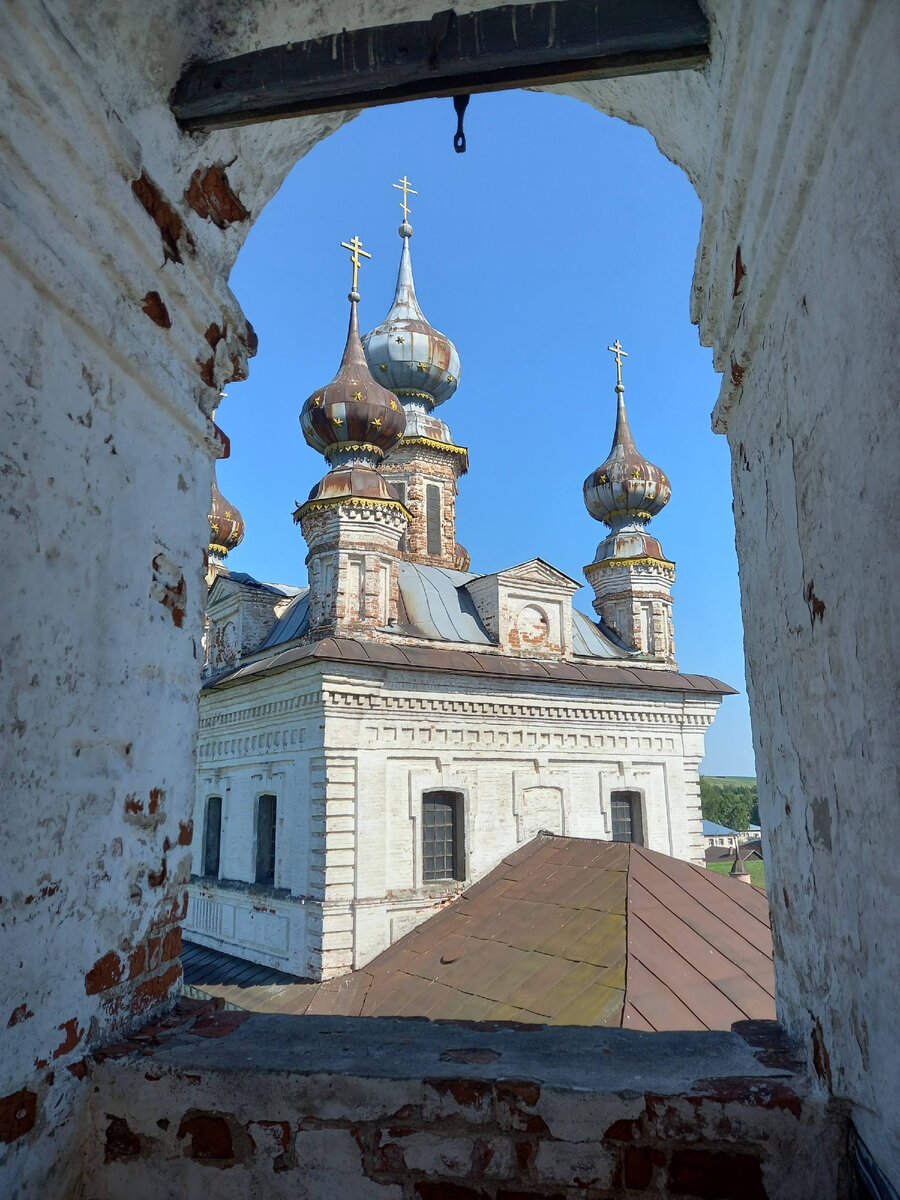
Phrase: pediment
[539,572]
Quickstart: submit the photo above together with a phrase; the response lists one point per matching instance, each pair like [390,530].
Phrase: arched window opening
[212,836]
[442,837]
[627,823]
[433,518]
[265,839]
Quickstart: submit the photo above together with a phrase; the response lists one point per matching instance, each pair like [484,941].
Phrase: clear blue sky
[558,231]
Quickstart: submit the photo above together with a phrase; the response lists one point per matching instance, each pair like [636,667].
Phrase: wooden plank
[511,46]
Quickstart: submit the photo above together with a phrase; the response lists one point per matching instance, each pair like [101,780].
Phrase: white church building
[375,742]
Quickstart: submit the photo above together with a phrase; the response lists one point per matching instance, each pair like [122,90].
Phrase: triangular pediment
[539,572]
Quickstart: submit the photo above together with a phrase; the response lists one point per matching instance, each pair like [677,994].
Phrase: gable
[536,570]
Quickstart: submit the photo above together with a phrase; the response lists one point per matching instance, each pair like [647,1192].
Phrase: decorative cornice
[433,444]
[358,502]
[608,564]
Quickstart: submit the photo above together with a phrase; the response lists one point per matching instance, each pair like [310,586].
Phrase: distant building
[374,742]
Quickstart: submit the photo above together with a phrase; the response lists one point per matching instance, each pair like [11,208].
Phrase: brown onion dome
[226,525]
[353,419]
[625,486]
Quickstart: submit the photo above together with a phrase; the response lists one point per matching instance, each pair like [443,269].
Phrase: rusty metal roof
[567,931]
[473,662]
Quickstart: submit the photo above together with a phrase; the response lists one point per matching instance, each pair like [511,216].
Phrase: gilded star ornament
[449,378]
[400,341]
[636,473]
[377,423]
[357,395]
[336,421]
[422,366]
[382,366]
[395,406]
[317,402]
[602,479]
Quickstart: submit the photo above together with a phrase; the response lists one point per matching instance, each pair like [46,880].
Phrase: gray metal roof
[434,604]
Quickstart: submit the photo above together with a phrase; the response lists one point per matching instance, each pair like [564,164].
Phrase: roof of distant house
[711,829]
[565,931]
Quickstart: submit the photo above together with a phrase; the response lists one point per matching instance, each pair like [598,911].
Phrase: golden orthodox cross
[616,349]
[403,186]
[355,248]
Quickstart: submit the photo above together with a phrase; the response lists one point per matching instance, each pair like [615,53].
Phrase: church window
[433,518]
[212,836]
[627,825]
[442,843]
[265,839]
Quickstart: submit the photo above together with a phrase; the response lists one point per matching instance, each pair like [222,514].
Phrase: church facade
[375,742]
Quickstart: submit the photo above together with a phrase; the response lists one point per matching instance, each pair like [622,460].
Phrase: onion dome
[353,419]
[407,354]
[626,491]
[226,525]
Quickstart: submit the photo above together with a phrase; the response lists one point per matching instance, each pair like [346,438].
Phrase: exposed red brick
[22,1013]
[185,833]
[739,272]
[122,1143]
[716,1176]
[524,1155]
[132,804]
[216,1139]
[760,1093]
[156,989]
[79,1069]
[170,225]
[211,196]
[137,961]
[154,953]
[514,1095]
[208,371]
[106,973]
[737,373]
[155,308]
[820,1057]
[219,1024]
[156,878]
[18,1113]
[156,794]
[215,333]
[171,947]
[72,1038]
[638,1164]
[389,1157]
[621,1131]
[434,1190]
[468,1093]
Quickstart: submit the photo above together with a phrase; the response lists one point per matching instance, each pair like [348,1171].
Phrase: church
[375,742]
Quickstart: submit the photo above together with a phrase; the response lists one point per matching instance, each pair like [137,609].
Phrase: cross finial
[403,186]
[355,248]
[616,349]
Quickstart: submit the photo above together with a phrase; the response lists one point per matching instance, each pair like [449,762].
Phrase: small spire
[403,186]
[355,248]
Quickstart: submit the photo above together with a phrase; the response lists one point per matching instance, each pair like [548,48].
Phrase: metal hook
[459,138]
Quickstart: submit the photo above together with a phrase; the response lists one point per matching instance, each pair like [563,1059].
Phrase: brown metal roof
[570,931]
[472,662]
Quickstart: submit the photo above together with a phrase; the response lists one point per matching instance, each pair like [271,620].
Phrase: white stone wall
[350,753]
[112,342]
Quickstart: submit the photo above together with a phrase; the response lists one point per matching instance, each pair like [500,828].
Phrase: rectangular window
[265,839]
[212,836]
[433,518]
[400,489]
[626,817]
[442,848]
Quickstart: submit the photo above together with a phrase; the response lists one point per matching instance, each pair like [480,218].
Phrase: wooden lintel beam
[514,45]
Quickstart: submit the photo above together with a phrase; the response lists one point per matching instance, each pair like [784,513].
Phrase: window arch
[627,818]
[212,836]
[443,850]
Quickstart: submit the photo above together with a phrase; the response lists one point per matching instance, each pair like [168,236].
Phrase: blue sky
[558,231]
